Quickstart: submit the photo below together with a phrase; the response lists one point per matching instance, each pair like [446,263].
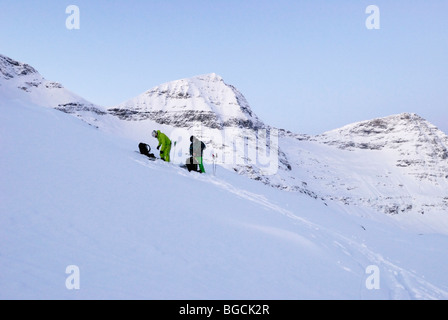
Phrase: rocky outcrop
[10,68]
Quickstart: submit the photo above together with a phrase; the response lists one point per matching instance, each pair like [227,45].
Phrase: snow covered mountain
[395,164]
[73,194]
[209,108]
[204,99]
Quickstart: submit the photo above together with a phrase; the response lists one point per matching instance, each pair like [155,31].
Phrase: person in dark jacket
[196,152]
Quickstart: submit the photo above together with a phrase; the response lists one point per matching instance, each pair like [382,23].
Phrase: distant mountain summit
[418,144]
[391,132]
[204,99]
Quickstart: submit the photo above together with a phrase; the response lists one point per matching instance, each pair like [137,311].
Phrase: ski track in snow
[406,284]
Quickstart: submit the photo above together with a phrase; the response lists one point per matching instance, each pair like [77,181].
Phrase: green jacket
[164,141]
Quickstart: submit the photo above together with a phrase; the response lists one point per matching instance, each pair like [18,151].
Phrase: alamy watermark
[73,21]
[257,149]
[373,20]
[373,280]
[72,282]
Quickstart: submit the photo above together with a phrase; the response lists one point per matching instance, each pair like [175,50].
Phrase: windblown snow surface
[73,195]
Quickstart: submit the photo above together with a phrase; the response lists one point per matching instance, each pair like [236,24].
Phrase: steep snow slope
[73,195]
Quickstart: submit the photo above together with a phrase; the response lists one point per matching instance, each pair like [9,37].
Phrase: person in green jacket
[164,145]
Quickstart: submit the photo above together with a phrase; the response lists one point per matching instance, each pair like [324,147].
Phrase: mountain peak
[204,99]
[391,131]
[418,147]
[378,125]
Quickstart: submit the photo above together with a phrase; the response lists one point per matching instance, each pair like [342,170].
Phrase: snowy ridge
[23,82]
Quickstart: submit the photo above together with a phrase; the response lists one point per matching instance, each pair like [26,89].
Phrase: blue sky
[306,66]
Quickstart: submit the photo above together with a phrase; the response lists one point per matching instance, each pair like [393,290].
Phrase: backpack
[145,149]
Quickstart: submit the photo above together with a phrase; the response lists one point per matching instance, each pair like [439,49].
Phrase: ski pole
[214,156]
